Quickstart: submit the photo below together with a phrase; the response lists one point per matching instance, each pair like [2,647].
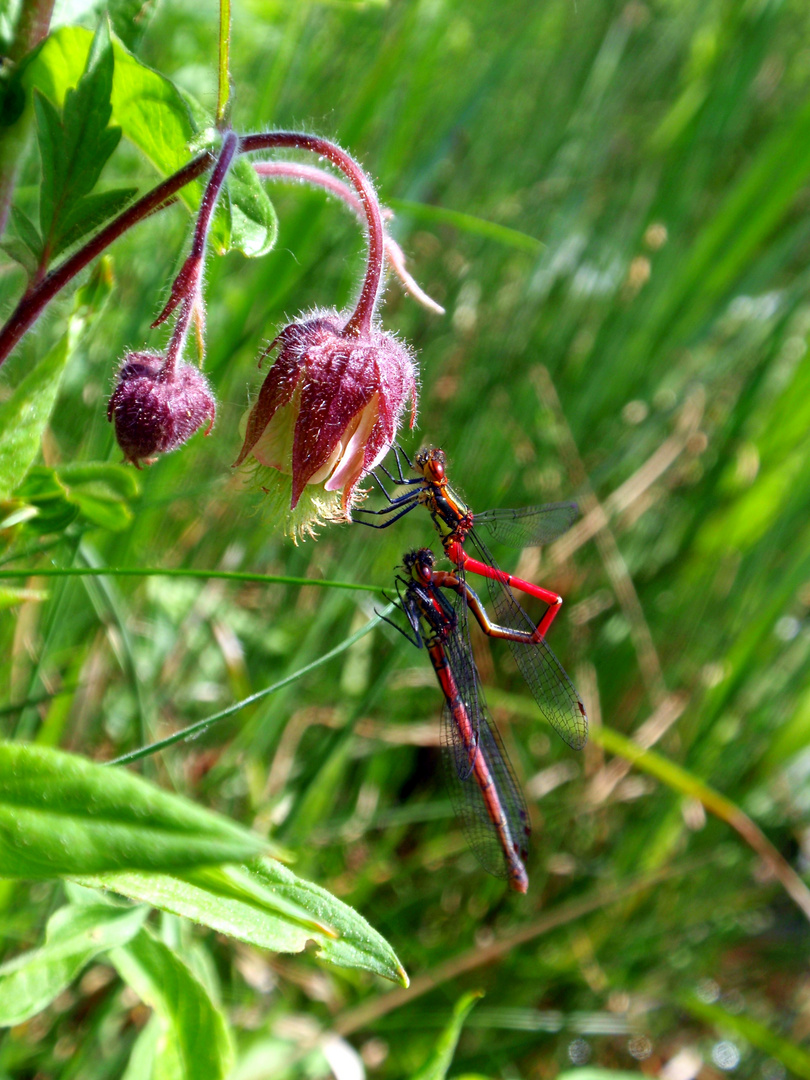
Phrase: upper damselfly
[532,525]
[483,789]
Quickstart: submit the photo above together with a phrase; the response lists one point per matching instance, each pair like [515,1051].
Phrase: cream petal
[352,460]
[322,473]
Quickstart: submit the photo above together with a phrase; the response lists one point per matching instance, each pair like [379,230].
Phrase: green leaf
[143,1058]
[75,935]
[194,1030]
[61,814]
[96,491]
[247,220]
[26,230]
[25,414]
[89,213]
[51,151]
[435,1068]
[164,124]
[86,112]
[148,108]
[74,149]
[21,253]
[10,596]
[117,478]
[153,116]
[265,904]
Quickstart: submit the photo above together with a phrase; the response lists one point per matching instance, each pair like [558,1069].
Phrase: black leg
[398,450]
[410,615]
[406,509]
[400,481]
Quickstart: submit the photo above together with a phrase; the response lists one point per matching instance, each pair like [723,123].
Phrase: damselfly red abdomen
[484,791]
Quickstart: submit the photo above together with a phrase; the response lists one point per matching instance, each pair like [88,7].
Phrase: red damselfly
[532,525]
[483,789]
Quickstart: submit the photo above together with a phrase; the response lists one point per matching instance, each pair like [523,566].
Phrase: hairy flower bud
[329,408]
[155,411]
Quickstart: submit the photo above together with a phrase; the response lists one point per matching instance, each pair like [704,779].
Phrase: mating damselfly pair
[485,793]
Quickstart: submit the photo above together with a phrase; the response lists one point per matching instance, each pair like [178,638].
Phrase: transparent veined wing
[544,674]
[528,526]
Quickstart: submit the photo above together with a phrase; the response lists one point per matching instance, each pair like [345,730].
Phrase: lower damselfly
[483,788]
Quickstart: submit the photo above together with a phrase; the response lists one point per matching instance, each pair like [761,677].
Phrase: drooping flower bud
[330,406]
[156,409]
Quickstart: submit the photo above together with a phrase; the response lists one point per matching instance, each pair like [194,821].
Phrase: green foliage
[61,815]
[616,193]
[195,1038]
[96,492]
[247,222]
[435,1068]
[265,904]
[74,937]
[74,148]
[163,124]
[25,413]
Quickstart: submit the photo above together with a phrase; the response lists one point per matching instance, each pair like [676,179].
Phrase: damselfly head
[431,462]
[419,564]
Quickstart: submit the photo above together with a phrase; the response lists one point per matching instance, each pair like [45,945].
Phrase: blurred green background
[639,342]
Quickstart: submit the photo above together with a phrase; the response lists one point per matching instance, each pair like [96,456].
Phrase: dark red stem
[36,299]
[189,278]
[32,27]
[359,322]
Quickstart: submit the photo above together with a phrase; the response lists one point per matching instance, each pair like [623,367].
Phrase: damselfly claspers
[483,789]
[456,525]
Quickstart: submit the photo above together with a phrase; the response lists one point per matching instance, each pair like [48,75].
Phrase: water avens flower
[329,408]
[331,404]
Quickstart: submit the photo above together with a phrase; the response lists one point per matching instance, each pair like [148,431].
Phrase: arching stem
[187,286]
[359,322]
[34,302]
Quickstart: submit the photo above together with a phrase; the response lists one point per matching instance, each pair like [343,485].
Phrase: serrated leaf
[148,108]
[74,149]
[193,1027]
[74,937]
[265,911]
[21,253]
[24,415]
[50,137]
[62,815]
[435,1068]
[86,112]
[89,213]
[26,230]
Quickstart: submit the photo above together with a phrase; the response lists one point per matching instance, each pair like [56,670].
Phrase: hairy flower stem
[186,289]
[359,323]
[311,174]
[34,302]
